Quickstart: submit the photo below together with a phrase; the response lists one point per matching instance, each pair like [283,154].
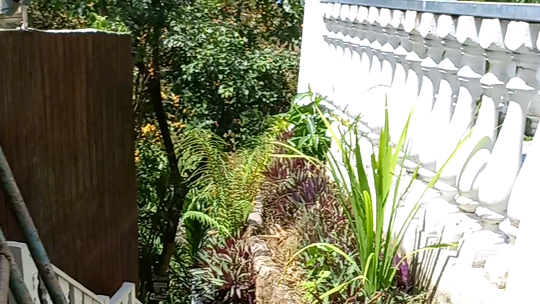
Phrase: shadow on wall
[424,264]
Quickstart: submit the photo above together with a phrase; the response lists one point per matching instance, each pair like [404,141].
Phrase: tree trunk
[181,188]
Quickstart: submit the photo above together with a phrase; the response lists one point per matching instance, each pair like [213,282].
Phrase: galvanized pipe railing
[30,233]
[4,278]
[14,276]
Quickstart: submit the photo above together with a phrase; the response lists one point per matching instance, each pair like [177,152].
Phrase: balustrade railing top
[507,11]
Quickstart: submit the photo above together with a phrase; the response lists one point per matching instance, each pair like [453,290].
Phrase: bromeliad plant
[371,211]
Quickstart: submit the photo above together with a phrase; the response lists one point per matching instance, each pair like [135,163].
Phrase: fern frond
[207,220]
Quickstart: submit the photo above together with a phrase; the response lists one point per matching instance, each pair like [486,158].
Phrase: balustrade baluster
[399,103]
[366,54]
[496,181]
[446,96]
[335,58]
[344,57]
[352,68]
[524,194]
[372,95]
[524,206]
[473,66]
[429,84]
[415,78]
[474,154]
[347,71]
[441,112]
[324,85]
[388,65]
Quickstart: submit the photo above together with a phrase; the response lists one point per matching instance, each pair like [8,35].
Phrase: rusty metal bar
[16,281]
[30,233]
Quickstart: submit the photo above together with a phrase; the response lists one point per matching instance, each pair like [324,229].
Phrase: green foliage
[230,185]
[205,220]
[291,185]
[232,75]
[222,196]
[61,14]
[227,275]
[373,262]
[376,243]
[323,268]
[154,191]
[219,200]
[226,65]
[308,128]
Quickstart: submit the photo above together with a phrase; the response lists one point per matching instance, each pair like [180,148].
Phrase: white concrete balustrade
[475,75]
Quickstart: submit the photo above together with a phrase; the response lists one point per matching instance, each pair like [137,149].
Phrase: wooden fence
[66,126]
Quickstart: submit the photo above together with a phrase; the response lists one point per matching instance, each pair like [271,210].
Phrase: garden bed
[299,209]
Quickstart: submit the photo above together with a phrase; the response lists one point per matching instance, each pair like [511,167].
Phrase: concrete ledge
[508,11]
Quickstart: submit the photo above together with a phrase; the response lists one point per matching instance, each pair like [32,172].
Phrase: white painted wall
[487,198]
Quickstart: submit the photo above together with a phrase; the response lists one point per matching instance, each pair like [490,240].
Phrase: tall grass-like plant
[365,207]
[371,211]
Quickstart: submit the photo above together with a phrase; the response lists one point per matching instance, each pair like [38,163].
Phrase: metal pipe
[4,279]
[24,23]
[16,281]
[30,233]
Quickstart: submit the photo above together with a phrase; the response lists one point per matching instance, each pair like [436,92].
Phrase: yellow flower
[149,129]
[179,125]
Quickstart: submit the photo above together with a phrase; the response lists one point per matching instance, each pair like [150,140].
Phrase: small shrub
[227,275]
[292,184]
[323,269]
[309,132]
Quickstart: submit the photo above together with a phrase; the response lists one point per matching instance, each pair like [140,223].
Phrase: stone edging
[268,291]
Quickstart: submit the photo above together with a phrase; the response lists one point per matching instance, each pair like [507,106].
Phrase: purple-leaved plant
[403,279]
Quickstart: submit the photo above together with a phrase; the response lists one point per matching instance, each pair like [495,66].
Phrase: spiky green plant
[366,208]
